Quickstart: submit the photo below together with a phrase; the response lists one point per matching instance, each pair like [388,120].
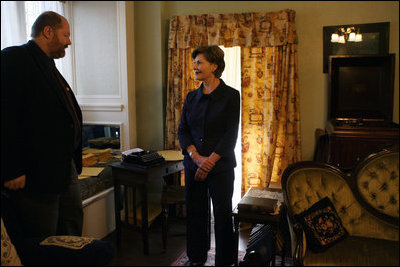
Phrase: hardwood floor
[130,252]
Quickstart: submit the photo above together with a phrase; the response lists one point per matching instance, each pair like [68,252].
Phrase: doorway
[232,77]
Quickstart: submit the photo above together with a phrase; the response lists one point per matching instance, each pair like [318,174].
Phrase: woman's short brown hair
[48,18]
[213,54]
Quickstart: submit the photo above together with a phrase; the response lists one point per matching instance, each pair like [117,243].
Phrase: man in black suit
[41,133]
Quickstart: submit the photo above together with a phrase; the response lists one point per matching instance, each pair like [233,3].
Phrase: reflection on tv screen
[360,88]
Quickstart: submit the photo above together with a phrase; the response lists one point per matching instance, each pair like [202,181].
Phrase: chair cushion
[356,251]
[322,225]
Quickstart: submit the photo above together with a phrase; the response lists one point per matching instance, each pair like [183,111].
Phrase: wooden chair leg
[165,225]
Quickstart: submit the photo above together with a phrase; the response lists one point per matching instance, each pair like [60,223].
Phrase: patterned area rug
[183,260]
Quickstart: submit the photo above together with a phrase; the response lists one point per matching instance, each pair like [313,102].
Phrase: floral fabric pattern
[270,104]
[180,83]
[256,29]
[9,255]
[270,114]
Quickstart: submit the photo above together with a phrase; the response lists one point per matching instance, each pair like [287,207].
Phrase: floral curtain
[270,112]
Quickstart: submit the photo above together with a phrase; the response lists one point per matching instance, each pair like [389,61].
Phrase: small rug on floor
[183,260]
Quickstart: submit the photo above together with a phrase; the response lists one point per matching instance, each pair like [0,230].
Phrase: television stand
[362,123]
[348,143]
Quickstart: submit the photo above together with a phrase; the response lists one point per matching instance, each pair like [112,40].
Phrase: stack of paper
[89,160]
[171,155]
[103,155]
[90,171]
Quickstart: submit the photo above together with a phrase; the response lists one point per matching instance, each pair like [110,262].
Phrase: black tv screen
[361,88]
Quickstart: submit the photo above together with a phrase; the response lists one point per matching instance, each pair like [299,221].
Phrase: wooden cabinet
[360,112]
[344,145]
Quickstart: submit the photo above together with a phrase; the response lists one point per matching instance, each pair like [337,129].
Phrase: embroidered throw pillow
[322,225]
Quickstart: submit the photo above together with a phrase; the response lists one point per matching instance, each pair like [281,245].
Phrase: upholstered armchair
[362,225]
[18,250]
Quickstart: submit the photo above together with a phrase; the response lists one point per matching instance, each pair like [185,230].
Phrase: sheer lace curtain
[17,18]
[13,30]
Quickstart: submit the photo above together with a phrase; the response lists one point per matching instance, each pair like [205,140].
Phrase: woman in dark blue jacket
[207,135]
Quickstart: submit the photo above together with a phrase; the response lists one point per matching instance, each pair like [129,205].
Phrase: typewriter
[143,158]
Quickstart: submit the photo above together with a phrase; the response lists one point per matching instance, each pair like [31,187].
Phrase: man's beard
[57,50]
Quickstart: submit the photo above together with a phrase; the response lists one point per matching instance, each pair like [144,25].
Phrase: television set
[361,89]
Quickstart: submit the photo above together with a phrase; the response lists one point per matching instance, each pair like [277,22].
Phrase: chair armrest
[299,247]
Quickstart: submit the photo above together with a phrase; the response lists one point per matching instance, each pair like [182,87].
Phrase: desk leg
[126,203]
[145,227]
[236,236]
[117,207]
[134,205]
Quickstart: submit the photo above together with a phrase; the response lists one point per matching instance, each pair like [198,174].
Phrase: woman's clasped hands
[205,164]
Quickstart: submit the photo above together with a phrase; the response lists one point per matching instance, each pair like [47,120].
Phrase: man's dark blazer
[37,127]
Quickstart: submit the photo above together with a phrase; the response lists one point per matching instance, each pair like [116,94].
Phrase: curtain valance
[256,29]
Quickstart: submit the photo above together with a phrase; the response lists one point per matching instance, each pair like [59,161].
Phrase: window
[32,11]
[17,18]
[232,77]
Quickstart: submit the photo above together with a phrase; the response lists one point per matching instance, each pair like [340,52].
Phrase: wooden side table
[251,217]
[131,175]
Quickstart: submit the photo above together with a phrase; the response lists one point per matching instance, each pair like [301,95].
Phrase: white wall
[149,84]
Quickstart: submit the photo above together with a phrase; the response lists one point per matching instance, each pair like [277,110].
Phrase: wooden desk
[252,217]
[131,175]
